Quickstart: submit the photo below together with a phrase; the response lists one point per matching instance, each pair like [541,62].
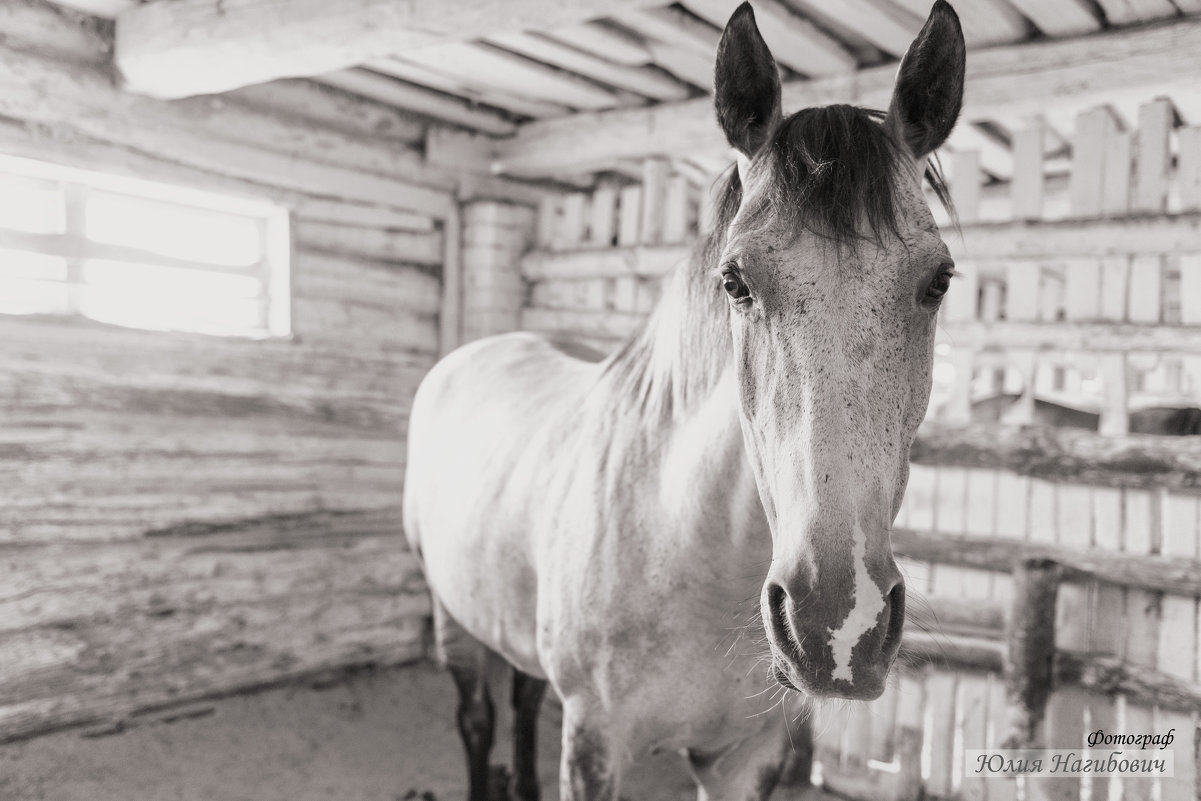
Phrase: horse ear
[746,83]
[929,90]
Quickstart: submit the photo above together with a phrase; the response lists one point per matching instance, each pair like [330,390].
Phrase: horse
[669,535]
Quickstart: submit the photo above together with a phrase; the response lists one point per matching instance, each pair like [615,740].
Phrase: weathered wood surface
[1152,573]
[185,515]
[92,634]
[176,49]
[1029,660]
[1002,82]
[1062,454]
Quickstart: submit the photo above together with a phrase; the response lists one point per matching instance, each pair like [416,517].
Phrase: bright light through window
[140,254]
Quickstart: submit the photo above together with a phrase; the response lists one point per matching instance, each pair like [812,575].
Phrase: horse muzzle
[816,655]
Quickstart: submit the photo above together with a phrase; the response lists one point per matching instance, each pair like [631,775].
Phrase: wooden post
[450,317]
[1030,662]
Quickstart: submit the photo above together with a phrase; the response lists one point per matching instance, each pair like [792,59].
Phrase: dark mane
[835,173]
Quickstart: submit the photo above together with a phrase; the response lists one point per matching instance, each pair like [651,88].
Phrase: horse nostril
[896,615]
[777,608]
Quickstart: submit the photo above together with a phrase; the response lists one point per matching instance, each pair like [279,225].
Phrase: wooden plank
[491,67]
[940,731]
[1065,729]
[1082,289]
[465,86]
[1190,288]
[654,196]
[607,42]
[1028,174]
[920,497]
[1013,499]
[1093,128]
[1145,298]
[794,41]
[1188,172]
[1061,18]
[1177,647]
[1021,305]
[1154,157]
[569,232]
[911,704]
[629,220]
[971,712]
[1115,189]
[450,319]
[1126,12]
[175,49]
[1003,82]
[602,229]
[1183,785]
[639,79]
[676,211]
[965,184]
[384,89]
[982,493]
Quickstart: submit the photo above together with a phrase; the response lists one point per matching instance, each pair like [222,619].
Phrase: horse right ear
[746,83]
[929,90]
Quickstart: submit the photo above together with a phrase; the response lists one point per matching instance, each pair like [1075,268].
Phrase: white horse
[612,527]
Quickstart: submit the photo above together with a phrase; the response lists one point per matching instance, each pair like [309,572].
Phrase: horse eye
[939,286]
[734,285]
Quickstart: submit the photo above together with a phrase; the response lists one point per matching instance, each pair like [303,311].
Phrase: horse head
[834,270]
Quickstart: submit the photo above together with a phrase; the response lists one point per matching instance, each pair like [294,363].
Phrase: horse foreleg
[477,724]
[590,770]
[527,699]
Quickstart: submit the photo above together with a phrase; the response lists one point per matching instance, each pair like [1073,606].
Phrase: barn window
[140,254]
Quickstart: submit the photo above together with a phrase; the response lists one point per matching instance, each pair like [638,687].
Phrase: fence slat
[1154,156]
[1188,170]
[1028,180]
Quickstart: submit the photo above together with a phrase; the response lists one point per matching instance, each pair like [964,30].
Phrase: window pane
[29,204]
[25,264]
[31,296]
[173,230]
[168,298]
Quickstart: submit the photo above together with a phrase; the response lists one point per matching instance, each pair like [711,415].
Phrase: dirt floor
[381,736]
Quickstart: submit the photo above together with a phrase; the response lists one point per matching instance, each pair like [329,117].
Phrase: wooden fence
[1081,288]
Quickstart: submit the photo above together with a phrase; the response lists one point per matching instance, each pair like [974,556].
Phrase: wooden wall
[185,515]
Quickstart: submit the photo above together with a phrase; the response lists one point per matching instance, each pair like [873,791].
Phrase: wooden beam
[1062,454]
[1007,81]
[177,48]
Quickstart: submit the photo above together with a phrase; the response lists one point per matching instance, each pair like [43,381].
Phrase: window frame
[272,270]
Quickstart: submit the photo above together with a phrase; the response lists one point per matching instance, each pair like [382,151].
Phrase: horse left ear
[746,83]
[929,90]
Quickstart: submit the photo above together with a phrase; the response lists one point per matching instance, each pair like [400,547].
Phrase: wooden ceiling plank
[420,100]
[1002,82]
[421,75]
[985,22]
[686,64]
[1060,17]
[97,8]
[645,81]
[674,27]
[886,26]
[1130,12]
[795,42]
[176,48]
[492,67]
[605,41]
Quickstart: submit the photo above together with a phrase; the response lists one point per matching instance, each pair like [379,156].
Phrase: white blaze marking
[866,604]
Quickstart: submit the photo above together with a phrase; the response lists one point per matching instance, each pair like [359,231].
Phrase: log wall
[185,515]
[1081,290]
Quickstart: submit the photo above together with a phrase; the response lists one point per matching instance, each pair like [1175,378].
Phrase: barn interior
[237,233]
